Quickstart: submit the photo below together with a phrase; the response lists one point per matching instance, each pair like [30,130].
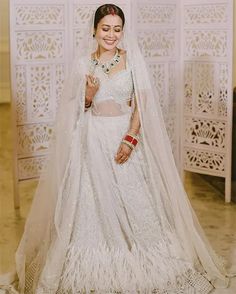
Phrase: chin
[109,47]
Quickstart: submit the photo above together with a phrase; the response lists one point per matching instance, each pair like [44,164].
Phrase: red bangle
[131,139]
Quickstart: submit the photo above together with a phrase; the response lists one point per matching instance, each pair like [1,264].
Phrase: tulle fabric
[164,176]
[43,250]
[119,241]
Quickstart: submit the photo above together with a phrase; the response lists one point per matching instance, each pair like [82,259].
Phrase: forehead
[111,20]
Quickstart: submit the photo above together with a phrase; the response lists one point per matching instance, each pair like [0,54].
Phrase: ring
[95,81]
[124,160]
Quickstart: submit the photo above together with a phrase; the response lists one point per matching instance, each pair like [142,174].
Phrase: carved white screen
[38,58]
[207,105]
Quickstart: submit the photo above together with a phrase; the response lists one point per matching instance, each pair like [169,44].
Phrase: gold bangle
[131,146]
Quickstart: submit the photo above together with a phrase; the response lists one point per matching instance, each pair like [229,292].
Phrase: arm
[92,86]
[124,151]
[134,121]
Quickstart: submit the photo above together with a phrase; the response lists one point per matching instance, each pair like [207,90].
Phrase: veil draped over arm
[163,174]
[52,210]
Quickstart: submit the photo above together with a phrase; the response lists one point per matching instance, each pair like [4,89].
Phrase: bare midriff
[110,108]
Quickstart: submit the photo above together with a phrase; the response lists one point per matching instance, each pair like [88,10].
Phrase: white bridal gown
[119,242]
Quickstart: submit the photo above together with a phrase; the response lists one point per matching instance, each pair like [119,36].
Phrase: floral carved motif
[159,78]
[60,78]
[205,14]
[163,75]
[223,89]
[157,43]
[210,88]
[206,43]
[34,139]
[172,88]
[20,80]
[188,87]
[82,14]
[40,102]
[29,168]
[205,95]
[78,35]
[39,45]
[39,14]
[211,162]
[205,133]
[156,14]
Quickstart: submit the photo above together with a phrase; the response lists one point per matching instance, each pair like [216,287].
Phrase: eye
[117,30]
[105,30]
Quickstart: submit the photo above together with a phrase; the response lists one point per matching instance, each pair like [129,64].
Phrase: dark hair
[107,9]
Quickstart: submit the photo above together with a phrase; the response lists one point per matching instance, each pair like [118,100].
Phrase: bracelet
[88,105]
[128,144]
[130,140]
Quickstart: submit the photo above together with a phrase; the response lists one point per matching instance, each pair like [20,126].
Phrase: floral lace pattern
[122,245]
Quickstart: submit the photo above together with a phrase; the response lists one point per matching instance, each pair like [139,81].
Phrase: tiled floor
[217,218]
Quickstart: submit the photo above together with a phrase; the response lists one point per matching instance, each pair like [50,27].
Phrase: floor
[217,218]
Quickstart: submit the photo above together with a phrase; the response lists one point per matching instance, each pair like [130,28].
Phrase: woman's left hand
[123,153]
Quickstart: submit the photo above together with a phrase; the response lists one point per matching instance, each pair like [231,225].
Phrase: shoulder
[123,54]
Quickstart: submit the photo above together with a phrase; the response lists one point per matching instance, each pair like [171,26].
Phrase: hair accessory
[111,10]
[88,105]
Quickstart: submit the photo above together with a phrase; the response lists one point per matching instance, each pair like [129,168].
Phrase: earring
[93,35]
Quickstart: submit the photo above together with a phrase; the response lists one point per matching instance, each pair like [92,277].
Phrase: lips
[109,42]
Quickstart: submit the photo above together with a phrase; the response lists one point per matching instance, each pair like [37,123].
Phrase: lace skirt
[122,240]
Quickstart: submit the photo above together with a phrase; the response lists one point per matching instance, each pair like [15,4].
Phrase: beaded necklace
[107,66]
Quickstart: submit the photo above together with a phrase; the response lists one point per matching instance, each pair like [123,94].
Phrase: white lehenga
[120,240]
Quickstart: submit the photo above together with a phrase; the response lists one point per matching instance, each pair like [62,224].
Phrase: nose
[111,33]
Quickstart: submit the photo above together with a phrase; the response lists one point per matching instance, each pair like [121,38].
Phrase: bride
[110,214]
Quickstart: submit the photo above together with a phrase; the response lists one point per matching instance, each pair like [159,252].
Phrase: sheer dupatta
[163,174]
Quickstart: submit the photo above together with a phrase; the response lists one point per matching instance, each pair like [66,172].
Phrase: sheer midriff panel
[111,108]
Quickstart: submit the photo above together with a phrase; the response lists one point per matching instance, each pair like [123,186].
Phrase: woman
[111,215]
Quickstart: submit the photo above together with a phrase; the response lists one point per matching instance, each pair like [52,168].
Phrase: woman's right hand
[92,86]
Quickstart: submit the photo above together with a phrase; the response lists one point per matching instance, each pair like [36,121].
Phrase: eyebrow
[110,26]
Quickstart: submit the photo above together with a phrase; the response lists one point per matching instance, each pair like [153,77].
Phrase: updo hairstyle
[107,9]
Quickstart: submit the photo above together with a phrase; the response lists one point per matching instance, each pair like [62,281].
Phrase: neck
[106,54]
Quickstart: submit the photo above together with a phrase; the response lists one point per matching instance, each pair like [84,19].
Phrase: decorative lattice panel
[207,104]
[158,31]
[38,58]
